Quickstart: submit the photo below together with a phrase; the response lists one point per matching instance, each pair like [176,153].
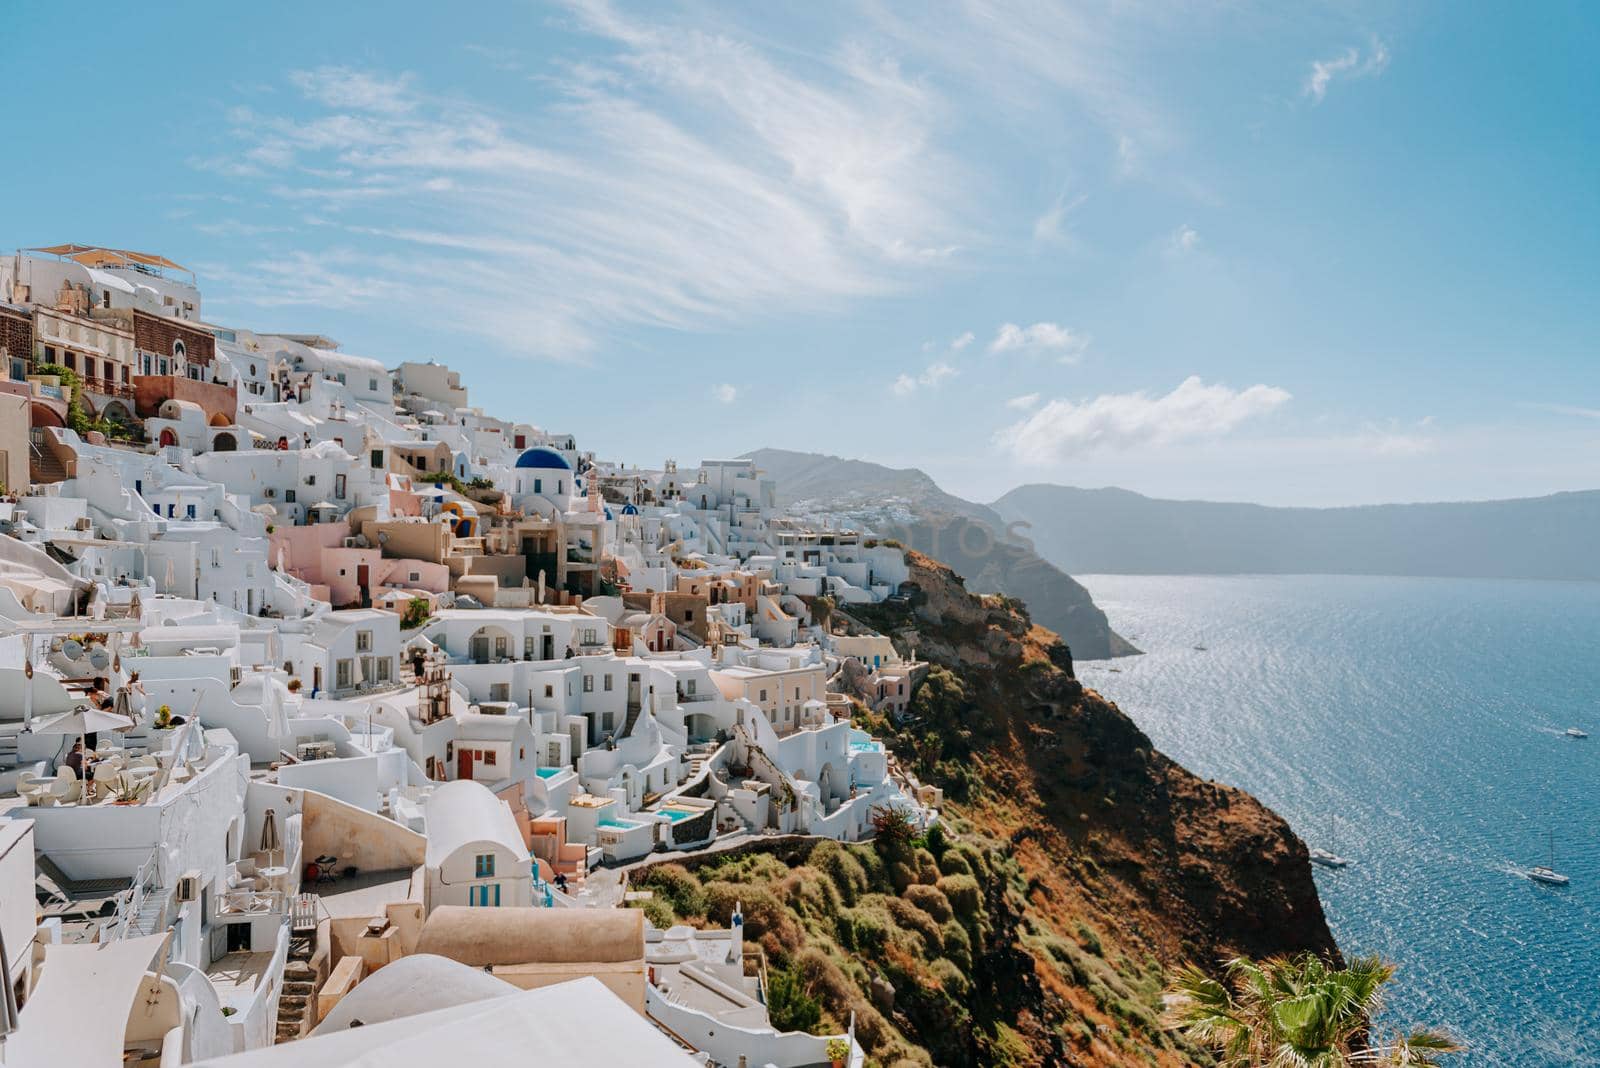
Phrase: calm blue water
[1427,715]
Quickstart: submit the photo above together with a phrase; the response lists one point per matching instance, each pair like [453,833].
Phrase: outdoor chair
[66,787]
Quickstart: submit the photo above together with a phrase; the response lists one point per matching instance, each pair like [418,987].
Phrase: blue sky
[1339,256]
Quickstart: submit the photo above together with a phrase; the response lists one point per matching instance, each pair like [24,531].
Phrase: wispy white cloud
[962,340]
[1024,402]
[1050,226]
[1062,429]
[1051,338]
[1184,239]
[682,180]
[1569,409]
[931,378]
[1351,63]
[357,90]
[724,393]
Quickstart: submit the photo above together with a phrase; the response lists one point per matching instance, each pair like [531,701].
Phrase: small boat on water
[1546,873]
[1327,857]
[1573,732]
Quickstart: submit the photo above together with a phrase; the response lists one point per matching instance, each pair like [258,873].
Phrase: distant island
[1115,531]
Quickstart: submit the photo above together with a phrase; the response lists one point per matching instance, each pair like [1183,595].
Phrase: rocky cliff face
[1111,836]
[1078,866]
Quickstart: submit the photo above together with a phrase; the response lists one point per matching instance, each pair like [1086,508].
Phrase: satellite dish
[72,649]
[99,658]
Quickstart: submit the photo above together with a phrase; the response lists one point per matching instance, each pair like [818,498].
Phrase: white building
[476,854]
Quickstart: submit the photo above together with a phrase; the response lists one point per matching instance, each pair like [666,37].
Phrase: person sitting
[74,759]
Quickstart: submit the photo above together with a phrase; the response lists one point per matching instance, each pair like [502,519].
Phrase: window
[415,576]
[382,672]
[288,496]
[180,350]
[527,647]
[608,684]
[189,511]
[372,387]
[763,695]
[165,366]
[538,485]
[489,757]
[342,674]
[549,691]
[363,639]
[589,636]
[485,866]
[377,457]
[500,647]
[105,298]
[688,687]
[216,557]
[588,684]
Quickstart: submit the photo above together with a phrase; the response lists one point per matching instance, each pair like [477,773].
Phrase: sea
[1416,727]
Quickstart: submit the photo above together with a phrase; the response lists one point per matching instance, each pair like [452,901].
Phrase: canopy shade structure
[96,256]
[78,1014]
[83,721]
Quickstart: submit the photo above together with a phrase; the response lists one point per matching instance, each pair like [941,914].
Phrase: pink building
[344,574]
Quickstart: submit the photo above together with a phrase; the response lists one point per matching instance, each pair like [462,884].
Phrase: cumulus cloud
[961,341]
[1024,402]
[1062,429]
[725,393]
[1351,63]
[930,378]
[1040,337]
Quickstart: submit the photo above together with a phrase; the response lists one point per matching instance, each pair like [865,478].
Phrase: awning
[110,281]
[78,1013]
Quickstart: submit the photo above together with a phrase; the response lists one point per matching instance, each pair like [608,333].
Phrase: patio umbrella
[270,842]
[172,576]
[82,721]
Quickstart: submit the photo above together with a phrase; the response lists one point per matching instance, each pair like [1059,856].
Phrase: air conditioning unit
[351,543]
[84,523]
[188,886]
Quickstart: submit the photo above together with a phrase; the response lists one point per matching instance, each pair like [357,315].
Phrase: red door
[464,764]
[363,578]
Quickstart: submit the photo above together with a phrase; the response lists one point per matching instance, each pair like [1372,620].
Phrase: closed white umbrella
[270,843]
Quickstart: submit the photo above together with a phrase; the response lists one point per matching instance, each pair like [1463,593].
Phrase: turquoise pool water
[676,814]
[548,773]
[617,825]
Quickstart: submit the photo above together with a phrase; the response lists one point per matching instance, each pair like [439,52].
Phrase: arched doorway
[169,438]
[224,442]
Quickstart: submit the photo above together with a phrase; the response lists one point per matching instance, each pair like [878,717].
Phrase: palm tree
[1296,1012]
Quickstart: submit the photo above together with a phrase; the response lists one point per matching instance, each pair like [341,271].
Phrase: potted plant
[838,1051]
[163,717]
[294,685]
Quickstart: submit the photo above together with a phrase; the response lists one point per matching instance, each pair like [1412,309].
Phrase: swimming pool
[548,773]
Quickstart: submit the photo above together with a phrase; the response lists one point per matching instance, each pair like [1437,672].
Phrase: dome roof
[629,509]
[410,986]
[543,459]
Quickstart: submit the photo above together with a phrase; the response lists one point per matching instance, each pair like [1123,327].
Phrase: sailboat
[1546,873]
[1325,857]
[1573,732]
